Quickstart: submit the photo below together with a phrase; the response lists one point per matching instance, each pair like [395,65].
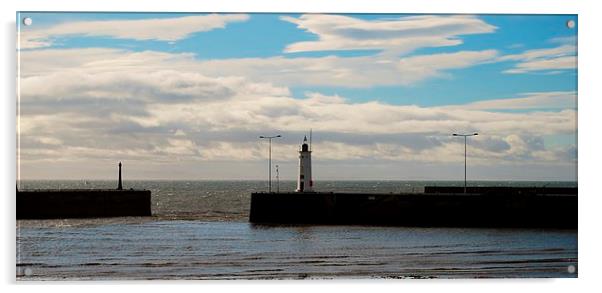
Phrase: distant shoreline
[292,180]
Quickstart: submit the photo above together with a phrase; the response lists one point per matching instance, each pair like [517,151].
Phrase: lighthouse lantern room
[304,182]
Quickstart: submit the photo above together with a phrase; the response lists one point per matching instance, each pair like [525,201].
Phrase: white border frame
[589,19]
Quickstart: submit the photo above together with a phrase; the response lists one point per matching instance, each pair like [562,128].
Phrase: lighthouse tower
[304,182]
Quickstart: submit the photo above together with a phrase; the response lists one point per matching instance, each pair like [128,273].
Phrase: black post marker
[119,187]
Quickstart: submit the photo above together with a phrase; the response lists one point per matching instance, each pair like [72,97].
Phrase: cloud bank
[89,108]
[353,72]
[161,29]
[393,36]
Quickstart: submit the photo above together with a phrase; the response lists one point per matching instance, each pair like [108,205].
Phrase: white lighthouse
[304,182]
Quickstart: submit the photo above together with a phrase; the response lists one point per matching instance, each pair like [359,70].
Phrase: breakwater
[490,207]
[82,203]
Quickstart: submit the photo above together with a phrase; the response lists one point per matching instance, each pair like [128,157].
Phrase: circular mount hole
[570,24]
[571,269]
[27,21]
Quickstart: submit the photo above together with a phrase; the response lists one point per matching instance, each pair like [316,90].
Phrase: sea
[200,230]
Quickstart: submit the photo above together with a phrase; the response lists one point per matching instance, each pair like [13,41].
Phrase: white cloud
[180,147]
[86,134]
[320,71]
[167,85]
[538,100]
[397,35]
[50,140]
[162,29]
[538,60]
[346,71]
[330,115]
[571,40]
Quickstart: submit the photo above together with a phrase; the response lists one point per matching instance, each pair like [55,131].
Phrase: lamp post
[277,180]
[465,136]
[269,138]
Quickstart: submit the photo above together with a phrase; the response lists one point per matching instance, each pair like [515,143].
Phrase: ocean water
[200,230]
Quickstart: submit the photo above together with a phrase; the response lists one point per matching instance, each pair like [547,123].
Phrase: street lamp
[277,180]
[465,136]
[269,138]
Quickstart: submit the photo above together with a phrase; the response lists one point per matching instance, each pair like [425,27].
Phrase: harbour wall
[505,207]
[82,203]
[484,190]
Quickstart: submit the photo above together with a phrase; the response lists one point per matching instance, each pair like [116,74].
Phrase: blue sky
[443,72]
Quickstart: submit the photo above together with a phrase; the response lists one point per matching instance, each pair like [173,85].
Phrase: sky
[186,96]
